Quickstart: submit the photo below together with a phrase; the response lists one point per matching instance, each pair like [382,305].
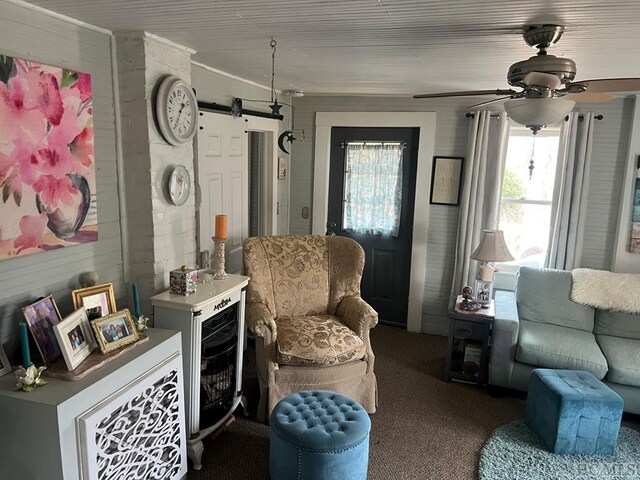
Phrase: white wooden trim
[426,122]
[623,260]
[270,196]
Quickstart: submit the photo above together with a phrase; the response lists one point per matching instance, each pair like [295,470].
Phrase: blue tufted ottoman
[573,412]
[319,435]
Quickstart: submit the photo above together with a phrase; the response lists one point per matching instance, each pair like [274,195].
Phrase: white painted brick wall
[162,236]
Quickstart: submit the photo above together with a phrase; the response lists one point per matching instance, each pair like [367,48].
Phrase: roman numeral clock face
[177,111]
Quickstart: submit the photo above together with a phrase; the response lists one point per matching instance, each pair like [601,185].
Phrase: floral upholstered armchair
[311,325]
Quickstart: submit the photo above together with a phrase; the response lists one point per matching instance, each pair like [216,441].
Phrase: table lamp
[492,248]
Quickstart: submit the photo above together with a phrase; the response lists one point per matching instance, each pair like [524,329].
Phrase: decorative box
[183,280]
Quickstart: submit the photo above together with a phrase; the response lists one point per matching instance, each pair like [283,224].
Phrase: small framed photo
[115,331]
[75,338]
[41,317]
[282,168]
[5,366]
[446,180]
[99,300]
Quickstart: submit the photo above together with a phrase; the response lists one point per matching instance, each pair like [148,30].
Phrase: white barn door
[222,176]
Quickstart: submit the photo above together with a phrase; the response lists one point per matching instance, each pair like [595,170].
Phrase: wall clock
[176,111]
[179,185]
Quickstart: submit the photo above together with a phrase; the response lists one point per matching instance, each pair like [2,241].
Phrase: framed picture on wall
[446,180]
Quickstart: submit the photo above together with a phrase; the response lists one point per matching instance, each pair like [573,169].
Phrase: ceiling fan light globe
[536,113]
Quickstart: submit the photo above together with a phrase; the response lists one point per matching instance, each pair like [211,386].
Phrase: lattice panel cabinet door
[138,433]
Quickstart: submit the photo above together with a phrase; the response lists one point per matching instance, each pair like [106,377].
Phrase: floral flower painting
[47,165]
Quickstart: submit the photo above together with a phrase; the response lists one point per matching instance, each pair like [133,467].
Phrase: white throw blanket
[606,290]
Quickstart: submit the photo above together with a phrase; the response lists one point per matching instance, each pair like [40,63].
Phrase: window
[525,207]
[373,187]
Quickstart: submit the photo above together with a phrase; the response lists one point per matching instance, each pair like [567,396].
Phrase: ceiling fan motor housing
[563,68]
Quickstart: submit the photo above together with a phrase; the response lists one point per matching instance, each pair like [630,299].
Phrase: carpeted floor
[424,428]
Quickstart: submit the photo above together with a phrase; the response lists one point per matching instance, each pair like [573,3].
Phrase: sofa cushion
[617,324]
[552,346]
[316,340]
[623,357]
[543,296]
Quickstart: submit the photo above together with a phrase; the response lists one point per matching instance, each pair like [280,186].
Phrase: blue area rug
[514,452]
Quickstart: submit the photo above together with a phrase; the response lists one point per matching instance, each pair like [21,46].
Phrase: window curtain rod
[580,116]
[344,144]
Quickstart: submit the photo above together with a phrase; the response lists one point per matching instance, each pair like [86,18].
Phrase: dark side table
[469,344]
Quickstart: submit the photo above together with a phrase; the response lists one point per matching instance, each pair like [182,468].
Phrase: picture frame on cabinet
[75,338]
[98,300]
[41,317]
[115,331]
[5,366]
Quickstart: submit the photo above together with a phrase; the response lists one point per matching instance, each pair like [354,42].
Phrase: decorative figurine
[29,378]
[468,302]
[141,324]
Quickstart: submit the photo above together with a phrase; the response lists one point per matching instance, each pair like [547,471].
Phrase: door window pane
[372,187]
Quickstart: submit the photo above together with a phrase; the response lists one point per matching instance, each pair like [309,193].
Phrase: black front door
[372,182]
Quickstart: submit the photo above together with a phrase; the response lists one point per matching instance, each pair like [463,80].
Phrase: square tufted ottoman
[573,412]
[319,435]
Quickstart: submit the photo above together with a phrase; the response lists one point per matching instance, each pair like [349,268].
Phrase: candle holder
[218,259]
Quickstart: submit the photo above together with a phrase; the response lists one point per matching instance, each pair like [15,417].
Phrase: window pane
[526,225]
[526,231]
[372,187]
[545,153]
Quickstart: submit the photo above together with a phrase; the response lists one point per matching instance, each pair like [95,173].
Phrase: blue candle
[136,299]
[24,339]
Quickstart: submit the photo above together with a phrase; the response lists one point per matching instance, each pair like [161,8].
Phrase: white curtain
[570,192]
[373,187]
[480,201]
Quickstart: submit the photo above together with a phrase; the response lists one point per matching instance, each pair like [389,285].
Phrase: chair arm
[505,339]
[357,314]
[259,318]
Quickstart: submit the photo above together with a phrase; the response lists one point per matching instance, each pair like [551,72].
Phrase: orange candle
[221,227]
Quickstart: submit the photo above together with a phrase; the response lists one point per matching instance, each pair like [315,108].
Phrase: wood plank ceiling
[395,47]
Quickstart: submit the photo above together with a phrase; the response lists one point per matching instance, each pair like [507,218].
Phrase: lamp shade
[536,113]
[492,248]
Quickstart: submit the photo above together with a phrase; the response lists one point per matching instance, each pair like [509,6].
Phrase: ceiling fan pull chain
[533,150]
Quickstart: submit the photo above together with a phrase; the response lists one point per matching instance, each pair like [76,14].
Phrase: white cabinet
[205,310]
[125,420]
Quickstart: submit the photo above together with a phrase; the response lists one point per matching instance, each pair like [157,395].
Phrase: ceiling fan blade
[589,97]
[488,102]
[471,93]
[609,85]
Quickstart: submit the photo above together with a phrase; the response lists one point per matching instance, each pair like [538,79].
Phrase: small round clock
[176,111]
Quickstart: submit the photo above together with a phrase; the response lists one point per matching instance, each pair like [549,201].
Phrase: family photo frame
[98,300]
[42,316]
[115,331]
[5,366]
[75,338]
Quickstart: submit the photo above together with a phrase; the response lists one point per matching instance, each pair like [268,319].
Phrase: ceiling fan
[549,91]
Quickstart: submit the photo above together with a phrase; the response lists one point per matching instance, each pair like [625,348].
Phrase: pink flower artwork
[47,163]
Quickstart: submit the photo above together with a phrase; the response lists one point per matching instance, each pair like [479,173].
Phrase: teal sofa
[539,326]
